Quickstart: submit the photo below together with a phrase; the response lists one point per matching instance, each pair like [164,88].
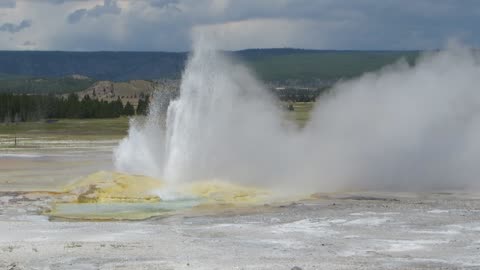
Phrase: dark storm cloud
[14,28]
[424,24]
[108,7]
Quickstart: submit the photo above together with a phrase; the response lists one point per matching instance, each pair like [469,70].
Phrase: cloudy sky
[167,25]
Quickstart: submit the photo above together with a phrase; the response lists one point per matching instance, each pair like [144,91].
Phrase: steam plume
[403,127]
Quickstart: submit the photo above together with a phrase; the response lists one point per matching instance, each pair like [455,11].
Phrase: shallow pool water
[119,211]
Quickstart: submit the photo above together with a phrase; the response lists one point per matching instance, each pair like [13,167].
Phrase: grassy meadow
[301,112]
[111,128]
[70,128]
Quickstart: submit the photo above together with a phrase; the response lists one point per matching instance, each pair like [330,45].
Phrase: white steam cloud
[401,128]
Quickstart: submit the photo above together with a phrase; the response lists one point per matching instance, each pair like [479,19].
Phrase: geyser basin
[118,196]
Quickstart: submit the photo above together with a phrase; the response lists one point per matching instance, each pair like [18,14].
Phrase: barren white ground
[336,231]
[435,231]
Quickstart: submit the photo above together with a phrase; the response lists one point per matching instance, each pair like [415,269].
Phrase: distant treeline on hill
[34,85]
[268,64]
[115,66]
[20,108]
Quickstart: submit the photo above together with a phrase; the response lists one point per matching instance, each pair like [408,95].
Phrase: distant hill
[314,65]
[115,66]
[130,91]
[22,84]
[108,90]
[269,64]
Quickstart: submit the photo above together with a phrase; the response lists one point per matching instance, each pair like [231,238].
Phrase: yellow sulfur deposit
[118,196]
[105,187]
[226,193]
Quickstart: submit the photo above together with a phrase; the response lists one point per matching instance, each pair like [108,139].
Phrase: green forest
[21,108]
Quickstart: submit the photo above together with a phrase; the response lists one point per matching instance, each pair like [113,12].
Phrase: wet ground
[47,162]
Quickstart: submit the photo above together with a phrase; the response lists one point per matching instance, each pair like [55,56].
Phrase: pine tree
[128,110]
[141,107]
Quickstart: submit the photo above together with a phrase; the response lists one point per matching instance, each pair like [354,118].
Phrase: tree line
[20,108]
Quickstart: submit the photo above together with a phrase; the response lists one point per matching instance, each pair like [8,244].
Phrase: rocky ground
[342,231]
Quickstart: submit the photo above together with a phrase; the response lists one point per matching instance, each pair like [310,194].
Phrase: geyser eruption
[403,127]
[224,125]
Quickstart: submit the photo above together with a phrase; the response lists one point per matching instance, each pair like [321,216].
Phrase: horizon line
[241,50]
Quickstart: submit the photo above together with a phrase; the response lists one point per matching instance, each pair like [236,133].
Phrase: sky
[168,25]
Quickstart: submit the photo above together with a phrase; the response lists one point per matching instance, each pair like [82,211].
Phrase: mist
[400,128]
[403,127]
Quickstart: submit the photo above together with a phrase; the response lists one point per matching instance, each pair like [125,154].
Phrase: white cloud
[267,33]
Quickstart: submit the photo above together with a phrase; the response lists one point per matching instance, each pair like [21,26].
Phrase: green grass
[114,128]
[301,112]
[70,128]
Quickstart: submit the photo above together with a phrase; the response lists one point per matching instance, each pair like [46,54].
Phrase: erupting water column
[223,126]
